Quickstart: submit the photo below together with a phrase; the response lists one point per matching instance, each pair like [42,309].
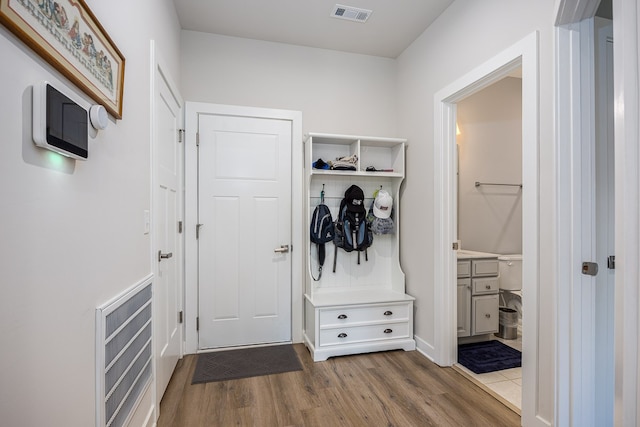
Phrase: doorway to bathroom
[489,234]
[522,55]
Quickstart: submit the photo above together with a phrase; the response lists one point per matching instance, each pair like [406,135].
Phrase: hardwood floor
[393,388]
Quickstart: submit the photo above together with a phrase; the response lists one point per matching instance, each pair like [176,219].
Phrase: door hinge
[197,323]
[611,262]
[180,135]
[180,317]
[198,226]
[197,138]
[180,227]
[454,246]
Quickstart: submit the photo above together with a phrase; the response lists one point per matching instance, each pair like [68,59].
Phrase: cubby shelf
[375,312]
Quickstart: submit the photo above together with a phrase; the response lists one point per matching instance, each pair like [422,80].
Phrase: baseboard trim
[424,348]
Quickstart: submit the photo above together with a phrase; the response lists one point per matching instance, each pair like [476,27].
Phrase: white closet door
[244,193]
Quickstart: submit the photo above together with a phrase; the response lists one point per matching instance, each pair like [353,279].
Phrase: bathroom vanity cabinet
[356,306]
[478,293]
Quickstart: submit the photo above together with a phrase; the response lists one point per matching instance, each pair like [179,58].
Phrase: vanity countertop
[464,254]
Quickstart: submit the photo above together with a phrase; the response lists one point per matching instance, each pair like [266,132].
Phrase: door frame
[626,90]
[522,54]
[572,400]
[192,111]
[575,145]
[627,210]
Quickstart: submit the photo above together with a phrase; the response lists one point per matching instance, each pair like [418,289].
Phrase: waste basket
[508,324]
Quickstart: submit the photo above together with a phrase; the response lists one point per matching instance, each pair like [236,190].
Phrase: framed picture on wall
[68,36]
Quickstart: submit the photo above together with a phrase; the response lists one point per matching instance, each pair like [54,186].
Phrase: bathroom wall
[490,151]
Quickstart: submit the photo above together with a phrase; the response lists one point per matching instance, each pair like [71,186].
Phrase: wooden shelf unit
[375,313]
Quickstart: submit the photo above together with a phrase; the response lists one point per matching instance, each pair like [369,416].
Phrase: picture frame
[68,36]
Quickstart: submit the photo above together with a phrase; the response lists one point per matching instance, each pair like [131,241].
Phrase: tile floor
[506,385]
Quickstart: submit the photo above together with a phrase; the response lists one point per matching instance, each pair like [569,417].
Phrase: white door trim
[574,11]
[191,210]
[626,48]
[627,218]
[575,346]
[627,211]
[525,54]
[576,339]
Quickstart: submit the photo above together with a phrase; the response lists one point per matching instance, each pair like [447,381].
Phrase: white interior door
[167,208]
[244,216]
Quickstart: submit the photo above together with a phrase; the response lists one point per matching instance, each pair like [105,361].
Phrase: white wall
[71,235]
[467,34]
[490,151]
[337,92]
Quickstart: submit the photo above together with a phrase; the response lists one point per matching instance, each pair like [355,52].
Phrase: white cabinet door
[484,310]
[464,307]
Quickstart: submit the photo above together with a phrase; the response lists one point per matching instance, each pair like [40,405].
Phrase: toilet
[510,282]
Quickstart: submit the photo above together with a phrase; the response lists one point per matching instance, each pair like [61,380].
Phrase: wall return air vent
[351,13]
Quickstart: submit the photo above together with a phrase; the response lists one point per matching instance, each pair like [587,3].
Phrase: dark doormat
[488,356]
[245,363]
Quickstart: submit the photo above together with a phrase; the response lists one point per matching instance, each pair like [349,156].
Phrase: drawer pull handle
[488,286]
[388,313]
[342,335]
[388,331]
[488,316]
[342,316]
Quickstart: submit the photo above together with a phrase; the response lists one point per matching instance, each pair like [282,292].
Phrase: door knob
[282,249]
[162,256]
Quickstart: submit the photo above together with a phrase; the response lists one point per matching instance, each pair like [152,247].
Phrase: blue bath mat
[488,356]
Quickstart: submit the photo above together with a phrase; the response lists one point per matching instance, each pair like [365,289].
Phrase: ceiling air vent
[351,13]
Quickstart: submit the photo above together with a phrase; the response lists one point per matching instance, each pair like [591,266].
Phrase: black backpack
[352,230]
[322,231]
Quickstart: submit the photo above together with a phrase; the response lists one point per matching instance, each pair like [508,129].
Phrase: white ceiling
[391,28]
